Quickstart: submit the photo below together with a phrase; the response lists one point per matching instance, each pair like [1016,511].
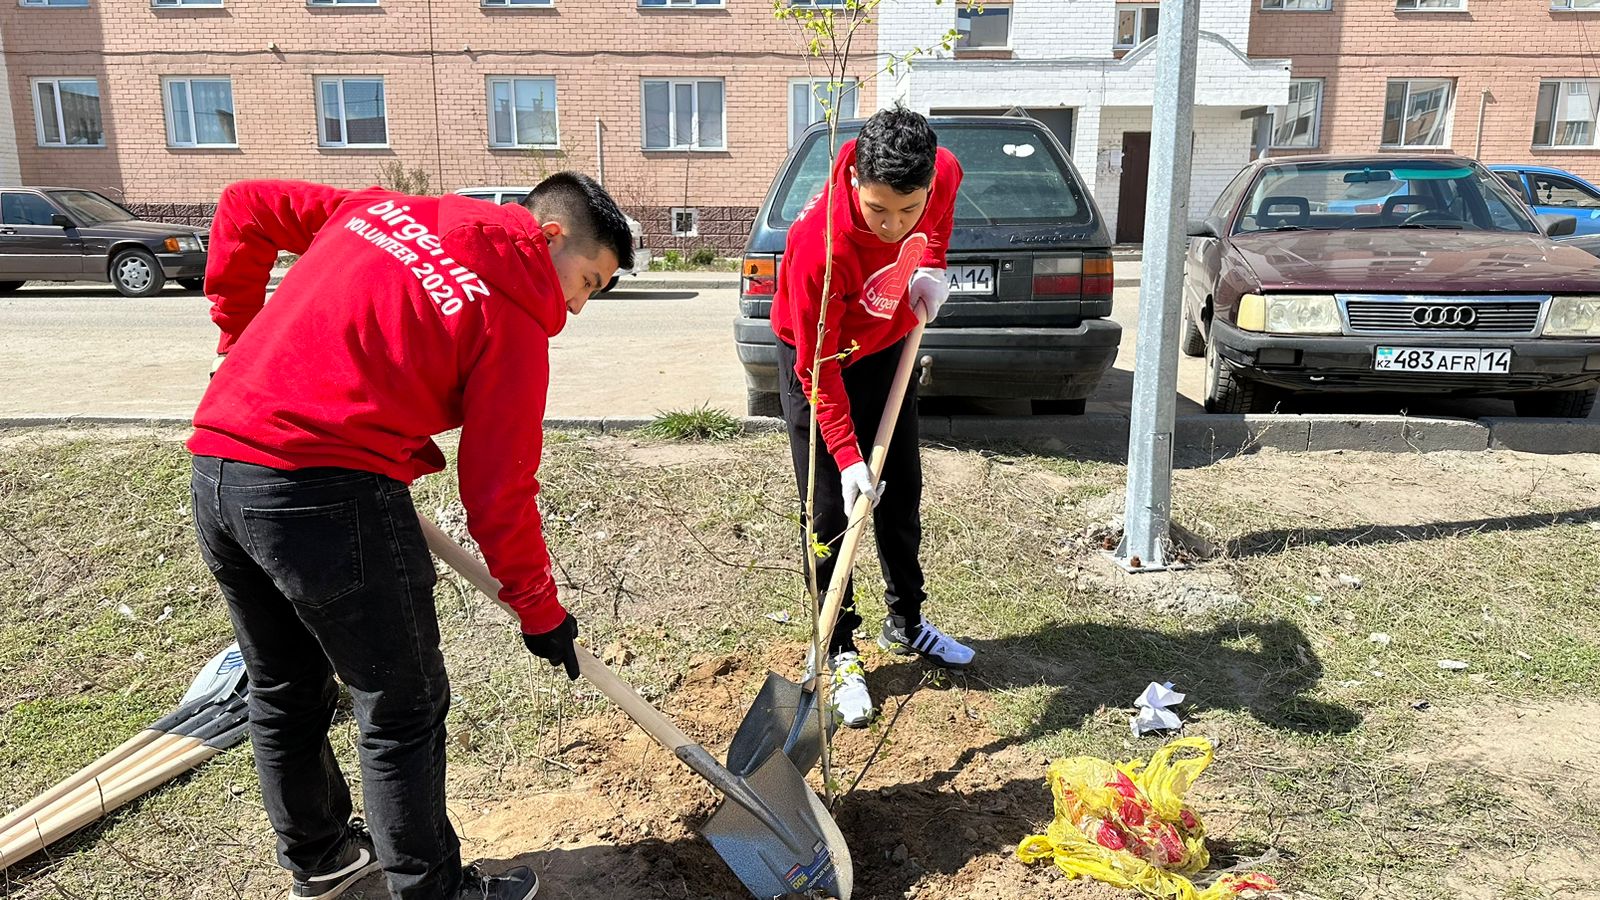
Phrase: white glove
[928,288]
[857,480]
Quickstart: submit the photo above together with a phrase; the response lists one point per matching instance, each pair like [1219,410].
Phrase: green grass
[702,423]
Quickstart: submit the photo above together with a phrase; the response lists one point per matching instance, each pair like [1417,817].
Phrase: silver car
[641,253]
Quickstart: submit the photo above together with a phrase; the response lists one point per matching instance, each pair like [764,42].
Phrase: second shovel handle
[620,692]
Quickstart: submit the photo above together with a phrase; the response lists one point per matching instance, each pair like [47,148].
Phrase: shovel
[772,830]
[784,717]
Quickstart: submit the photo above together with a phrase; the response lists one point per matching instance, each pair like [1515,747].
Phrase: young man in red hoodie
[404,318]
[891,182]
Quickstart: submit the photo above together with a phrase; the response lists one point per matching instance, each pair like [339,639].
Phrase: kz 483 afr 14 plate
[1454,361]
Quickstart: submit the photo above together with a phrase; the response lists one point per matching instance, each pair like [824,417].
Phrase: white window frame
[1297,5]
[687,4]
[1011,16]
[341,2]
[1430,6]
[849,86]
[344,117]
[511,82]
[694,220]
[672,115]
[1562,92]
[61,117]
[166,103]
[1449,114]
[1316,119]
[517,4]
[54,4]
[1139,11]
[185,4]
[1575,5]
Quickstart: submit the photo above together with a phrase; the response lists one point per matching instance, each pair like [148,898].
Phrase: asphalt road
[84,350]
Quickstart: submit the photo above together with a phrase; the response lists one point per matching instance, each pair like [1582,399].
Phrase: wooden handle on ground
[620,692]
[78,779]
[834,599]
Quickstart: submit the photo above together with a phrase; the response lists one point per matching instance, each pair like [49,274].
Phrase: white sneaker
[852,704]
[926,641]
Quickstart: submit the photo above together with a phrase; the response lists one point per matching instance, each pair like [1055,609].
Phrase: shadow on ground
[1267,543]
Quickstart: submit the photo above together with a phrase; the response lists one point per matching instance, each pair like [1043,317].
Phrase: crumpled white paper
[1154,714]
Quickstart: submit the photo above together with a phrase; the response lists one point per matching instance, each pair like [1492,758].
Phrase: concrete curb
[1104,436]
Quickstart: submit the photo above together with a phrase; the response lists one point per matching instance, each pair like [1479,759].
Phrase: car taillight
[760,276]
[1099,277]
[1057,276]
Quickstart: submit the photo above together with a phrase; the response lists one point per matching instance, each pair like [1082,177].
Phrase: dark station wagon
[1420,275]
[1029,265]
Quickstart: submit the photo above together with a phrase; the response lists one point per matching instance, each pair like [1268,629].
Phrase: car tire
[1557,404]
[1059,407]
[10,287]
[1193,343]
[1227,392]
[192,284]
[135,273]
[763,403]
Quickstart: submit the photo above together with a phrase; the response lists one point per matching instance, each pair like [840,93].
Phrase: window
[1513,180]
[1297,4]
[67,112]
[983,28]
[1136,24]
[352,113]
[1446,5]
[199,112]
[1575,4]
[810,101]
[1296,124]
[683,115]
[166,4]
[522,113]
[662,4]
[55,3]
[1565,116]
[1554,190]
[1350,195]
[25,209]
[685,221]
[1417,113]
[341,2]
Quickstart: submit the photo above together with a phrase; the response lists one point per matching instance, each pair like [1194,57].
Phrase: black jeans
[897,522]
[326,573]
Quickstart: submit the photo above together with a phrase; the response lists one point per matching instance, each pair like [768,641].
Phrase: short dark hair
[588,212]
[897,147]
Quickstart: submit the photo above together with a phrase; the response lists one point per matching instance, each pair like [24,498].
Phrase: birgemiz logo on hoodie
[449,283]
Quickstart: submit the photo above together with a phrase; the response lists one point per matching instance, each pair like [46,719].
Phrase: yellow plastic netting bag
[1127,825]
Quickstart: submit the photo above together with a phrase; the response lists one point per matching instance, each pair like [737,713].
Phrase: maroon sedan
[1385,273]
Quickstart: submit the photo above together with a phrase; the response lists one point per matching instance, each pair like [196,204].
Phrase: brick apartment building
[1509,81]
[683,104]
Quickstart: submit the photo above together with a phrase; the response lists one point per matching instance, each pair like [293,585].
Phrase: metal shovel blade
[809,857]
[783,718]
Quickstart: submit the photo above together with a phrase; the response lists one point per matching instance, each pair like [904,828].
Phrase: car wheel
[10,287]
[763,403]
[135,273]
[1557,404]
[1059,407]
[192,284]
[1228,392]
[611,285]
[1194,343]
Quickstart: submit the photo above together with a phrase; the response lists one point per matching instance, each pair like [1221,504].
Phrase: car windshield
[1380,193]
[1011,176]
[90,208]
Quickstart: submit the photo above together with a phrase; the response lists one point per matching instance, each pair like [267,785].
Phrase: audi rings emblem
[1444,316]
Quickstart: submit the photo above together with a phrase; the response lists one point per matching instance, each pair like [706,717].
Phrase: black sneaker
[518,884]
[926,641]
[356,862]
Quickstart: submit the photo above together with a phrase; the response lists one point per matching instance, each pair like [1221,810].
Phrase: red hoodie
[858,256]
[405,317]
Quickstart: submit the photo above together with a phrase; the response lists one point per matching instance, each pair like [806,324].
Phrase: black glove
[556,645]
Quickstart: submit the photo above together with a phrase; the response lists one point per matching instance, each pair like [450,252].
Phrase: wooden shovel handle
[856,524]
[620,692]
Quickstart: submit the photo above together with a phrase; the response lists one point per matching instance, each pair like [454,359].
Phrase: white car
[641,253]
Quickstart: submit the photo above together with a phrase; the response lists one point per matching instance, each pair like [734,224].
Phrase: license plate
[971,279]
[1445,362]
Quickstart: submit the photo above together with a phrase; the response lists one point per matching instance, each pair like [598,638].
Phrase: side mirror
[1210,227]
[60,221]
[1556,225]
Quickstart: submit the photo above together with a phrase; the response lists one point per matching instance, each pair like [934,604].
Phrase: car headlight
[1573,317]
[183,243]
[1290,313]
